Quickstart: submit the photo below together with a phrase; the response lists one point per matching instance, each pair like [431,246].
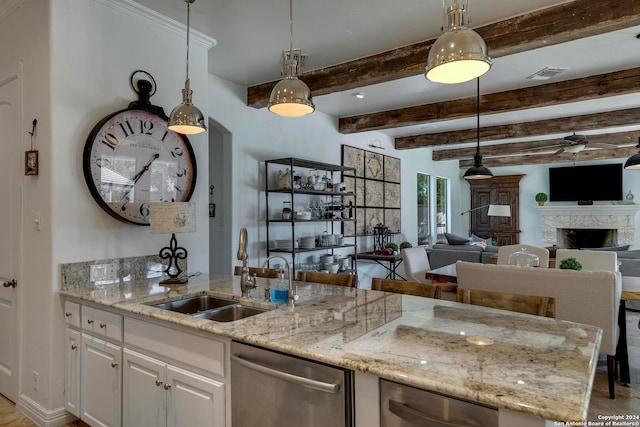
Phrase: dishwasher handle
[418,418]
[332,388]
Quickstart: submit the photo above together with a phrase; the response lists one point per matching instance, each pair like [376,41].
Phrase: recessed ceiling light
[359,95]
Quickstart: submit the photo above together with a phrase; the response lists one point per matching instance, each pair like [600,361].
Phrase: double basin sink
[211,308]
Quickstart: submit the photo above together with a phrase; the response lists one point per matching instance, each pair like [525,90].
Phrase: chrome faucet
[246,283]
[293,295]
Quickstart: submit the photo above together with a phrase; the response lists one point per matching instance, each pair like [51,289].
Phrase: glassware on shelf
[286,210]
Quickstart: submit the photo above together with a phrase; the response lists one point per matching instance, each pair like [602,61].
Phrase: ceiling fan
[574,144]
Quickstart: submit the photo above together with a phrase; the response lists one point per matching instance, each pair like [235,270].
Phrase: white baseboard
[41,416]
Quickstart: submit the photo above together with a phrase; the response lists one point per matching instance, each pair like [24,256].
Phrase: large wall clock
[131,159]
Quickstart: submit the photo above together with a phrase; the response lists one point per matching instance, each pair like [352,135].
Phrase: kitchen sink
[230,313]
[211,308]
[194,305]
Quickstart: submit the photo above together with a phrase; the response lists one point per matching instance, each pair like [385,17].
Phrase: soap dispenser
[279,289]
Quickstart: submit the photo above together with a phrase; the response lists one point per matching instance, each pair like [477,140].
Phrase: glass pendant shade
[186,118]
[633,162]
[291,97]
[459,54]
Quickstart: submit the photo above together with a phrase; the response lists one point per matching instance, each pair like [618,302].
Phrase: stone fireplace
[614,224]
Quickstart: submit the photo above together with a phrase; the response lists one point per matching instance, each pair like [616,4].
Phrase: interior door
[10,214]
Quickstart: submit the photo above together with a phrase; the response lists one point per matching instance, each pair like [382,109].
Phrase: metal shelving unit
[295,164]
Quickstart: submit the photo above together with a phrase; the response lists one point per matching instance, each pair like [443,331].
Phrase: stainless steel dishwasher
[274,389]
[404,406]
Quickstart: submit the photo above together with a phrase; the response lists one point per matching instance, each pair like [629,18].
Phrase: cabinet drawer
[72,314]
[207,355]
[102,323]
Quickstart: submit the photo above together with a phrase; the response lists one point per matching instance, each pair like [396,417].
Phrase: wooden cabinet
[499,190]
[100,382]
[158,394]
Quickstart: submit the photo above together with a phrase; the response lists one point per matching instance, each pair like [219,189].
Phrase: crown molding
[149,16]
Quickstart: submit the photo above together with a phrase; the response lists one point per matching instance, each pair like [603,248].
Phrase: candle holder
[172,218]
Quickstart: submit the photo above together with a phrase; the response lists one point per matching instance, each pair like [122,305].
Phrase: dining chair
[590,260]
[505,251]
[404,287]
[348,280]
[416,264]
[269,273]
[529,304]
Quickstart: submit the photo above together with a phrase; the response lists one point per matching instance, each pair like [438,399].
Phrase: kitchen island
[539,367]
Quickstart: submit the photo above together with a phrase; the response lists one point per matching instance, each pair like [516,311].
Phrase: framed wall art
[376,182]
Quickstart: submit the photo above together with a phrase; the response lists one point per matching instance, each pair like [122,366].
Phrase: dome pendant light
[477,171]
[186,118]
[291,97]
[459,54]
[633,162]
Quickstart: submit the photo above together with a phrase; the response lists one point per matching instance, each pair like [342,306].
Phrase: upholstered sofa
[442,254]
[590,297]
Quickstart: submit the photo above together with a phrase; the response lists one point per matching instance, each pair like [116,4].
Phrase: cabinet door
[72,353]
[101,382]
[194,400]
[143,394]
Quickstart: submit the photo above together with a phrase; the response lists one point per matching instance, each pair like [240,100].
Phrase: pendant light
[477,171]
[291,97]
[186,118]
[459,54]
[633,162]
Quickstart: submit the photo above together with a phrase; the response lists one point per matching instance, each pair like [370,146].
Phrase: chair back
[540,306]
[590,260]
[505,251]
[404,287]
[348,280]
[269,273]
[416,264]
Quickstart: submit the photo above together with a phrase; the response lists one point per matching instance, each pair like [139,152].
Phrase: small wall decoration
[377,184]
[31,156]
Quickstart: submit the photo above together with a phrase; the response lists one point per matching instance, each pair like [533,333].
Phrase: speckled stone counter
[538,366]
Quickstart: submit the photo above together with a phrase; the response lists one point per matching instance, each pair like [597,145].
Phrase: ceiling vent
[546,73]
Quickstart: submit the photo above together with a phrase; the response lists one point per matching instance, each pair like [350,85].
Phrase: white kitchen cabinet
[100,382]
[158,394]
[72,354]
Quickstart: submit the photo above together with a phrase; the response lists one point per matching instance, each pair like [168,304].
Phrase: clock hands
[139,175]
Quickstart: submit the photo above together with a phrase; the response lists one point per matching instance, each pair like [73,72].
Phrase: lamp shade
[633,162]
[186,118]
[173,217]
[499,210]
[459,54]
[477,171]
[291,97]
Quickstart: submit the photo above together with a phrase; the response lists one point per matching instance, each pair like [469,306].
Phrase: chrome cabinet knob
[67,314]
[114,364]
[9,283]
[90,321]
[103,325]
[167,386]
[73,346]
[158,383]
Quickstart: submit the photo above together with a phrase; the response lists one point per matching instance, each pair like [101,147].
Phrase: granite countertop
[538,366]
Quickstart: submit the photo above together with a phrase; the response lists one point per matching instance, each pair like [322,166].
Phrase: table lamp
[172,218]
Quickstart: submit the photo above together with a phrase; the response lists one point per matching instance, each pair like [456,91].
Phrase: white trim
[41,416]
[149,16]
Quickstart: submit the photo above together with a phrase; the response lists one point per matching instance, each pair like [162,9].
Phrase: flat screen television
[582,183]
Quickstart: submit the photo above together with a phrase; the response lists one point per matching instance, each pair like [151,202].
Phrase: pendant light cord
[188,26]
[291,31]
[478,114]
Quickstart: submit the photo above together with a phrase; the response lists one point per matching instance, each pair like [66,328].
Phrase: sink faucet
[246,283]
[293,295]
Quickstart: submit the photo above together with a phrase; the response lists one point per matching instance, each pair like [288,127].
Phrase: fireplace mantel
[618,217]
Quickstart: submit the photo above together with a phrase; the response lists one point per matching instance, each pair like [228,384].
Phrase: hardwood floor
[627,401]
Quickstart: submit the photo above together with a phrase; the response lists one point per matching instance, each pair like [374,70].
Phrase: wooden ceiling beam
[619,139]
[567,125]
[582,89]
[582,156]
[546,27]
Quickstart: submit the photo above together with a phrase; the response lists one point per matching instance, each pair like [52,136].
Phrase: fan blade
[602,145]
[559,151]
[545,147]
[576,139]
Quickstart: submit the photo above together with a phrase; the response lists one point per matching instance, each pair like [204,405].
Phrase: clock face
[131,160]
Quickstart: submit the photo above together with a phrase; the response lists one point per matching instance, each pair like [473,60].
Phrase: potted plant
[405,245]
[541,198]
[570,264]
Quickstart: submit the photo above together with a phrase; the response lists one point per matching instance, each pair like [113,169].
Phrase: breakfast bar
[520,365]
